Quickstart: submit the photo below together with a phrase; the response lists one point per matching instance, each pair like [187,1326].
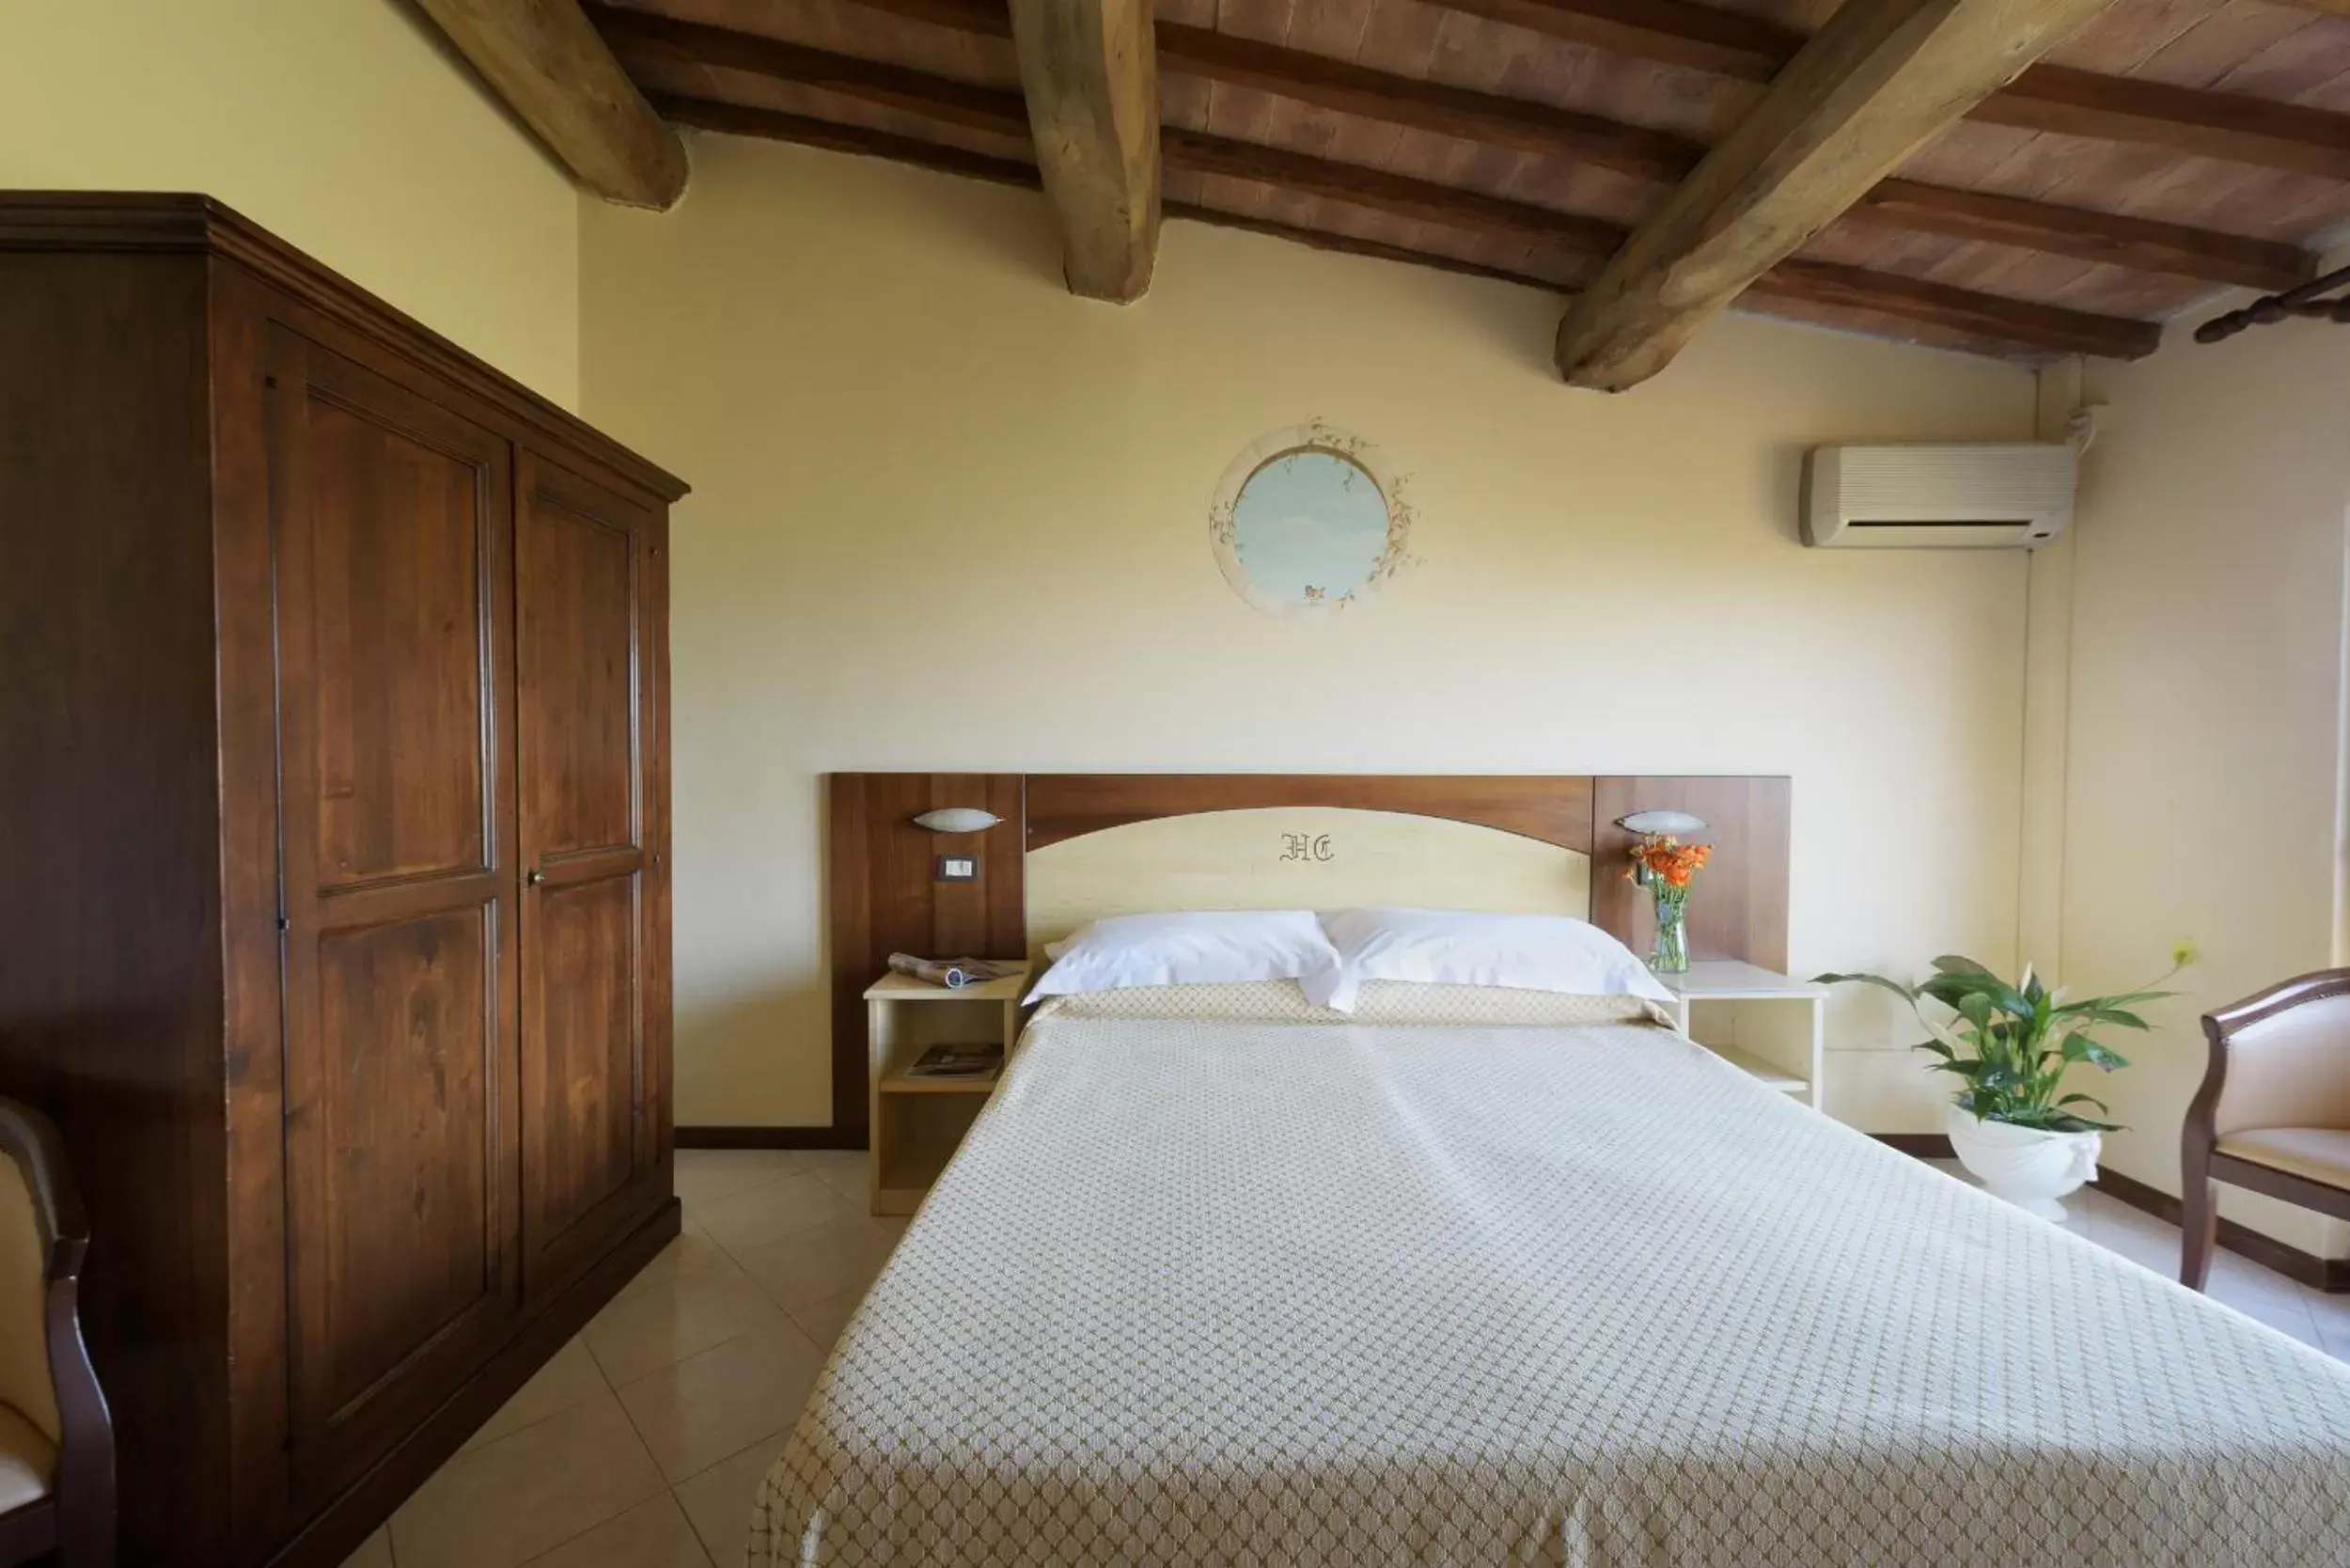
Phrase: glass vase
[1671,955]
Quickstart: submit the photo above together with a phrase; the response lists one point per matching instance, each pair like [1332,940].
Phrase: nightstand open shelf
[1770,1026]
[916,1124]
[904,1084]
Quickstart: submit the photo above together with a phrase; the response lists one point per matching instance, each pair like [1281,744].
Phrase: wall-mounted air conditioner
[1953,498]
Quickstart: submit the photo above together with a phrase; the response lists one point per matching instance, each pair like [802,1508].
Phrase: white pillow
[1194,947]
[1442,946]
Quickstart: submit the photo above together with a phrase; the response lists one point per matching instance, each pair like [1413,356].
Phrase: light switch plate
[958,867]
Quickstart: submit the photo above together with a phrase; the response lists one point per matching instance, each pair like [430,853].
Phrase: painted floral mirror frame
[1309,522]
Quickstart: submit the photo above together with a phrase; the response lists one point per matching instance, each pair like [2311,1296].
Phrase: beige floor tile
[823,1320]
[374,1552]
[847,1171]
[570,1378]
[692,1252]
[2286,1308]
[709,1406]
[705,1174]
[506,1502]
[652,1534]
[770,1213]
[668,1320]
[719,1499]
[805,1268]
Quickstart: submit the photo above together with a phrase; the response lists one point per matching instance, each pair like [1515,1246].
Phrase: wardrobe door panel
[582,558]
[391,529]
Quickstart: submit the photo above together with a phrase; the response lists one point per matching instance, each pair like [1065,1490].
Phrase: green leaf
[2119,999]
[2086,1014]
[1936,1047]
[1956,963]
[1976,1009]
[2086,1100]
[1904,992]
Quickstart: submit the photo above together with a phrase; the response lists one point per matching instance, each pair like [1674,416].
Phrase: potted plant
[2013,1122]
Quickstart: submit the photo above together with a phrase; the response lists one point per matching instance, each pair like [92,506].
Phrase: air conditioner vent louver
[1937,497]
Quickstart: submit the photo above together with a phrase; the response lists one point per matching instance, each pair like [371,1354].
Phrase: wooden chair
[2274,1112]
[56,1443]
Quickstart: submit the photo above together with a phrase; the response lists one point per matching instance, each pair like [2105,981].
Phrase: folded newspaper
[953,973]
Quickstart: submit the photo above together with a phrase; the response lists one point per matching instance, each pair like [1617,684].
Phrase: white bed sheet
[1234,1293]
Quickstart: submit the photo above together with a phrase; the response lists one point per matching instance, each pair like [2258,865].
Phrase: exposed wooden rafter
[1524,126]
[1868,89]
[1980,318]
[2234,126]
[1088,69]
[2117,240]
[548,63]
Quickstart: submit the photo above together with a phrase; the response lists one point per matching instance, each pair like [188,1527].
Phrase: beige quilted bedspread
[1241,1294]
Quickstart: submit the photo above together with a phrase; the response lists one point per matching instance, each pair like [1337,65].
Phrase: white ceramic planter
[2029,1168]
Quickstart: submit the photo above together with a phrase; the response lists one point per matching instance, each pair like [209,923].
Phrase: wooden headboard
[883,894]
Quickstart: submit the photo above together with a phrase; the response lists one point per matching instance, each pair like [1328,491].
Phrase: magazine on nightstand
[957,1062]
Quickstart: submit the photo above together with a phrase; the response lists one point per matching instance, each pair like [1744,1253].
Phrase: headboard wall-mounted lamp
[957,819]
[1675,822]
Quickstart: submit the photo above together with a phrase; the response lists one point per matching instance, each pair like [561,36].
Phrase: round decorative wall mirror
[1309,520]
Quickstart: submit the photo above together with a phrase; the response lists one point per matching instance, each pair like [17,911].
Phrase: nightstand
[1769,1024]
[915,1125]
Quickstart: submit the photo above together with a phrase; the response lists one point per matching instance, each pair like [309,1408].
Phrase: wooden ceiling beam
[2140,244]
[1089,71]
[2084,234]
[1396,195]
[546,61]
[1961,310]
[1984,317]
[747,119]
[1869,88]
[2233,126]
[892,87]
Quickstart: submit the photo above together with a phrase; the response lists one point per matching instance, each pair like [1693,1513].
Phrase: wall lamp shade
[1662,822]
[957,819]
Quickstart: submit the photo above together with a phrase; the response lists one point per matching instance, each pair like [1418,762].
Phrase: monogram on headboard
[1304,846]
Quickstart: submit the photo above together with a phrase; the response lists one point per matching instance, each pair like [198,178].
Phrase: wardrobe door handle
[538,878]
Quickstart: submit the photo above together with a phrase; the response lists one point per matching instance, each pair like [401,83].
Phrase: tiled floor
[640,1445]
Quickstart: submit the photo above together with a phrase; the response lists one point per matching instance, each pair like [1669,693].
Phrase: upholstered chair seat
[2274,1112]
[28,1462]
[2313,1153]
[57,1444]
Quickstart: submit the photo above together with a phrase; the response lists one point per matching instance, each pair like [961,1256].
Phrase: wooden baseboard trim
[771,1138]
[344,1524]
[1922,1146]
[2330,1275]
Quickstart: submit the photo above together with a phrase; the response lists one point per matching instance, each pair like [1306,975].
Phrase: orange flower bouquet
[1665,866]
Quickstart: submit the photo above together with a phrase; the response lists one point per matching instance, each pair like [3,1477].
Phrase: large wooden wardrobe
[333,840]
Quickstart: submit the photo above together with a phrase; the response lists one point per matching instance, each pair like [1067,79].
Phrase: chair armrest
[34,1142]
[2280,1058]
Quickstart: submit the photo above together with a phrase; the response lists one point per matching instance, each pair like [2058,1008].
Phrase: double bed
[1219,1277]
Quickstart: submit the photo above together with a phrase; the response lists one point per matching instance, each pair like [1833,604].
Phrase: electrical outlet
[958,867]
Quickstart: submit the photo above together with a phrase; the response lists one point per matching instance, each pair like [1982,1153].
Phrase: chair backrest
[26,1384]
[2288,1055]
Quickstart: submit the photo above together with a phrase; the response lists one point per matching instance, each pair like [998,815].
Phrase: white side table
[1772,1026]
[916,1124]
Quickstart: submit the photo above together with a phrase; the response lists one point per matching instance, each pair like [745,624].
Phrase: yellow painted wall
[2205,754]
[948,516]
[340,124]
